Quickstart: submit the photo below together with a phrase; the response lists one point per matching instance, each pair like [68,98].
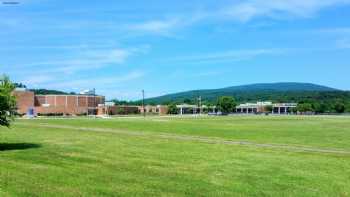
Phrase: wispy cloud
[166,26]
[341,35]
[57,74]
[183,74]
[156,26]
[83,61]
[86,60]
[343,43]
[241,11]
[277,9]
[82,83]
[338,30]
[230,55]
[129,94]
[36,80]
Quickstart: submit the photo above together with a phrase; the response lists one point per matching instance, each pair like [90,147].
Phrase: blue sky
[121,47]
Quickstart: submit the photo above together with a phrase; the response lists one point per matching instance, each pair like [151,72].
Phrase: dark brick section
[117,110]
[24,101]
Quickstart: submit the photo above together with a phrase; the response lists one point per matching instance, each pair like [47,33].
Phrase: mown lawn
[36,160]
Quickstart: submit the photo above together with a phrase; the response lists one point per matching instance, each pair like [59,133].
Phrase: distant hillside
[46,92]
[280,87]
[282,92]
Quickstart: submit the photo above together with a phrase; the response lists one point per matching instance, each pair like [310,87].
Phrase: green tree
[7,101]
[304,107]
[121,111]
[339,107]
[19,85]
[172,109]
[188,101]
[226,104]
[347,107]
[268,108]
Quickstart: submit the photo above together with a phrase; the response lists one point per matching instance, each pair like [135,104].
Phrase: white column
[279,110]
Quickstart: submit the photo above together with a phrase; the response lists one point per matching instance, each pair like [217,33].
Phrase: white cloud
[343,43]
[82,83]
[242,11]
[341,34]
[129,94]
[86,60]
[230,55]
[156,26]
[277,9]
[34,81]
[340,30]
[57,73]
[167,26]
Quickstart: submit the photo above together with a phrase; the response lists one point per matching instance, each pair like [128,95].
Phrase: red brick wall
[39,100]
[66,104]
[115,110]
[24,101]
[163,110]
[71,101]
[60,100]
[82,101]
[50,100]
[61,110]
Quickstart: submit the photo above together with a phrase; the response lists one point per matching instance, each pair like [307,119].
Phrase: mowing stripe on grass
[209,140]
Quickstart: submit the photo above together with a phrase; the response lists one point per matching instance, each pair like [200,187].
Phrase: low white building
[248,108]
[194,109]
[263,107]
[283,108]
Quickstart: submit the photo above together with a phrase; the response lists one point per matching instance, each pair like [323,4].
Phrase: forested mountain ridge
[277,92]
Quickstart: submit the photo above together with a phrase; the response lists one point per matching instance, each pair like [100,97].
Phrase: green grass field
[207,156]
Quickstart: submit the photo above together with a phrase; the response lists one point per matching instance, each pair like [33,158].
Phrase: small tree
[172,109]
[226,104]
[7,101]
[121,110]
[268,108]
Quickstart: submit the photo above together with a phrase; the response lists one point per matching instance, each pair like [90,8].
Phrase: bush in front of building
[50,114]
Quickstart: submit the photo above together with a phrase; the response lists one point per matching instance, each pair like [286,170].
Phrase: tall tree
[347,108]
[304,107]
[339,107]
[7,101]
[172,109]
[226,104]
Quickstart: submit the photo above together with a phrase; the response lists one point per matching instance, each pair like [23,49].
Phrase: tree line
[227,104]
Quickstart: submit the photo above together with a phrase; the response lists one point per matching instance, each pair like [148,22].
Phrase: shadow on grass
[17,146]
